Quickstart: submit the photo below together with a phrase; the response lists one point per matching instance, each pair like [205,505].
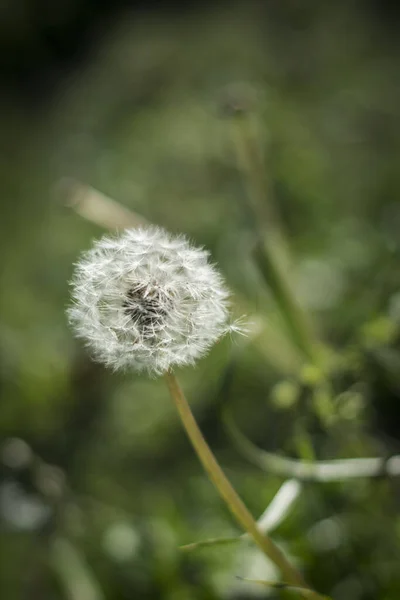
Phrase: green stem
[251,164]
[273,515]
[224,487]
[294,317]
[222,541]
[283,586]
[97,208]
[318,471]
[271,242]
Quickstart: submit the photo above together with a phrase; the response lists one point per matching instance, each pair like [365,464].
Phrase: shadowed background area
[154,105]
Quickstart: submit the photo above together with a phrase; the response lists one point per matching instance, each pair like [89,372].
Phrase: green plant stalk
[222,541]
[97,208]
[292,313]
[323,471]
[270,238]
[226,490]
[73,572]
[283,586]
[250,162]
[272,517]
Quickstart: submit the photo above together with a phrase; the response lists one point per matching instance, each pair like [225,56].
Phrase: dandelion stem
[224,487]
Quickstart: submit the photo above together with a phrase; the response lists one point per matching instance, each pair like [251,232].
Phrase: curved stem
[318,471]
[227,492]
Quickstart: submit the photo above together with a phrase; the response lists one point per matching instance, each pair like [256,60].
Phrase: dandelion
[148,300]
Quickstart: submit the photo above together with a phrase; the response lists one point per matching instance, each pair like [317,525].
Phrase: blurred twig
[274,514]
[271,247]
[283,586]
[318,471]
[251,163]
[94,206]
[217,541]
[294,316]
[78,582]
[280,506]
[241,105]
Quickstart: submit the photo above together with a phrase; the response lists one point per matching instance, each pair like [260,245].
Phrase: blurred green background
[98,484]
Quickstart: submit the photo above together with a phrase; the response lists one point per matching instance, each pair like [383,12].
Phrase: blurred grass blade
[222,541]
[319,471]
[306,593]
[267,226]
[97,208]
[292,313]
[75,575]
[272,517]
[280,506]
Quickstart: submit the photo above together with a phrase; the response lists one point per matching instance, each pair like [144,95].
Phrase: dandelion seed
[148,300]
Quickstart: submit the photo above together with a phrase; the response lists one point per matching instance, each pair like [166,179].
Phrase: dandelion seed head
[147,300]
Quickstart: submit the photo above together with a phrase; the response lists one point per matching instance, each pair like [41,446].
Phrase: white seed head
[148,300]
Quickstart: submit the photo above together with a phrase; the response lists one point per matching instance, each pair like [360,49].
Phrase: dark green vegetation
[99,486]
